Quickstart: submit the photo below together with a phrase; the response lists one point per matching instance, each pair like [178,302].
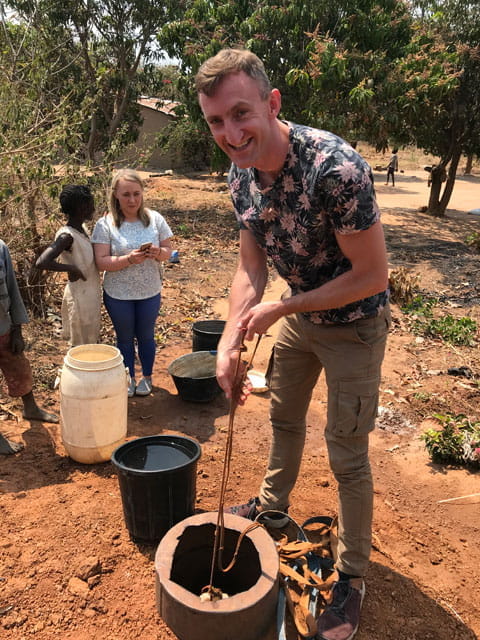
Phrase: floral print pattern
[137,281]
[325,187]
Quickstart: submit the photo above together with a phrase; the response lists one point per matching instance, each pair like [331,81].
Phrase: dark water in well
[155,457]
[192,561]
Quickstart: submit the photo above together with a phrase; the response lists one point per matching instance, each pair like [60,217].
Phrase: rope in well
[218,546]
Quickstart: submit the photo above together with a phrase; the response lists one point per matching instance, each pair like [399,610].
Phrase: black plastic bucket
[157,477]
[206,334]
[194,376]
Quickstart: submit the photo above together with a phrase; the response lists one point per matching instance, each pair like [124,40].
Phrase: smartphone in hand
[145,246]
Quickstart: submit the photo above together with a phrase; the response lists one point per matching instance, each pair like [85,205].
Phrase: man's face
[241,121]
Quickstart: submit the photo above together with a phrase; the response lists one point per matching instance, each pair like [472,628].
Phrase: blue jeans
[135,319]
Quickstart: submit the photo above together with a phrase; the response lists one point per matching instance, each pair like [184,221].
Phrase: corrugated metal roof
[165,106]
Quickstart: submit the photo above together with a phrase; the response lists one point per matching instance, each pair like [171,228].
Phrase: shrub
[473,240]
[458,331]
[456,442]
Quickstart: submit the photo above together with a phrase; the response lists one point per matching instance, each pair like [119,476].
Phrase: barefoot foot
[40,414]
[7,447]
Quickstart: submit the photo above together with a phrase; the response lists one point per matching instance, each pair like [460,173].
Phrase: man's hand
[227,365]
[17,343]
[260,318]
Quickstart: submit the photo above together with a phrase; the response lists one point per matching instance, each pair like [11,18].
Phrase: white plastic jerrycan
[93,402]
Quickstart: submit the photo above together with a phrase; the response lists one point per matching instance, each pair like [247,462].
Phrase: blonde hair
[226,62]
[114,204]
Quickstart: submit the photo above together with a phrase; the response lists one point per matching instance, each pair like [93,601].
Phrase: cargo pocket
[352,407]
[268,373]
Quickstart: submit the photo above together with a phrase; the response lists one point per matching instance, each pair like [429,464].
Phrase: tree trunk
[438,202]
[91,139]
[469,164]
[437,176]
[117,118]
[452,174]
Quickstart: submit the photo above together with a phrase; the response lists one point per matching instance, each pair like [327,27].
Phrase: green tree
[443,72]
[39,135]
[346,76]
[421,87]
[439,81]
[162,82]
[276,30]
[115,43]
[464,21]
[358,38]
[388,71]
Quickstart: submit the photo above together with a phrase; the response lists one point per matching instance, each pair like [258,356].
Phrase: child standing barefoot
[13,363]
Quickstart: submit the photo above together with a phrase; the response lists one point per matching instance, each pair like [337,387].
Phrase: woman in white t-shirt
[129,243]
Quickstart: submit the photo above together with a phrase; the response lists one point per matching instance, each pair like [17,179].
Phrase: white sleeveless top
[81,299]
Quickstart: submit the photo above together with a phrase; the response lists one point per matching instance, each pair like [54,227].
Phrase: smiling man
[305,199]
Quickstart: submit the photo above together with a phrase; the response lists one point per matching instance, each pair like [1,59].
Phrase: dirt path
[62,521]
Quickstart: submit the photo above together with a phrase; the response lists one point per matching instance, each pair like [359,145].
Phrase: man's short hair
[226,62]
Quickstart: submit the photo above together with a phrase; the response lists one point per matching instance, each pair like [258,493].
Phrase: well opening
[192,560]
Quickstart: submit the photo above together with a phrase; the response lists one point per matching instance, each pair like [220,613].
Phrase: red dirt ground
[68,568]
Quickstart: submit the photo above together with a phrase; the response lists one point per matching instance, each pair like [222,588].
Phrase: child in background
[82,296]
[13,363]
[392,166]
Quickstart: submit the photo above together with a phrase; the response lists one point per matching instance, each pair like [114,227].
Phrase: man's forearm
[246,291]
[343,290]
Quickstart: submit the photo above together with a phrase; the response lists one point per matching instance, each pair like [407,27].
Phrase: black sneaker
[269,518]
[341,618]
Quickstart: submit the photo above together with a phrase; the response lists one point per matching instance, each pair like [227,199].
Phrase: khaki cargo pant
[351,356]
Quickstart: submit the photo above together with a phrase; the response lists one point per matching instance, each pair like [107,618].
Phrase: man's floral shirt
[325,187]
